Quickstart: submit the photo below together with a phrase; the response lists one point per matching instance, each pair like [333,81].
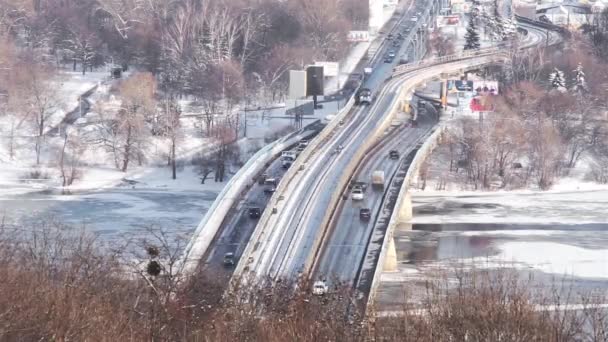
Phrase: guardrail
[293,171]
[242,180]
[548,26]
[428,145]
[369,143]
[299,165]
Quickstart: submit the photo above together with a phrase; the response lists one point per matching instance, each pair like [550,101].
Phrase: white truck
[378,179]
[287,158]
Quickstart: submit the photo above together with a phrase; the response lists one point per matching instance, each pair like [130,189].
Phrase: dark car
[393,154]
[543,18]
[388,59]
[390,36]
[403,61]
[365,214]
[255,213]
[270,189]
[395,43]
[229,259]
[355,183]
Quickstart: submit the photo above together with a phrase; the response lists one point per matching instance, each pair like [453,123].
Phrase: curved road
[291,235]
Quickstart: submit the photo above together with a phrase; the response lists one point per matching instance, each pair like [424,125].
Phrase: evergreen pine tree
[557,80]
[475,10]
[471,37]
[498,25]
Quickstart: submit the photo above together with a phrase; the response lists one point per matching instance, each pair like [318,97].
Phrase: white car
[357,194]
[319,288]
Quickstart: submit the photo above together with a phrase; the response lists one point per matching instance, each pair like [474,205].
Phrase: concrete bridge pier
[404,217]
[405,210]
[390,263]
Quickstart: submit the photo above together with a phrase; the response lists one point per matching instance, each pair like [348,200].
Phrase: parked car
[229,259]
[390,36]
[357,194]
[392,53]
[393,154]
[388,59]
[255,212]
[403,61]
[365,214]
[319,288]
[270,189]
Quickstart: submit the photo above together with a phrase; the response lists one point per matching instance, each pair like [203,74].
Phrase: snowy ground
[108,201]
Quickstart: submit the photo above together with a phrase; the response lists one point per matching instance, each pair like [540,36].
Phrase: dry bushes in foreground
[59,286]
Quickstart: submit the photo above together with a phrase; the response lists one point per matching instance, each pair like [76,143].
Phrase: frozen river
[115,213]
[537,235]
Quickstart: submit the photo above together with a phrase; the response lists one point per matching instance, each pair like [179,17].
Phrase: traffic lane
[346,242]
[350,236]
[294,211]
[238,230]
[330,180]
[381,69]
[266,252]
[286,209]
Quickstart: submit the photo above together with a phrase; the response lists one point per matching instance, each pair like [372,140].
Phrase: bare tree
[41,100]
[69,159]
[325,26]
[441,44]
[123,129]
[82,49]
[172,114]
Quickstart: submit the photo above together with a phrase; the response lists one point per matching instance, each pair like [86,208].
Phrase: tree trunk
[62,161]
[127,151]
[173,163]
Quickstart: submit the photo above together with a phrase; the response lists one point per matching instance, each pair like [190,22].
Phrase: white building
[376,15]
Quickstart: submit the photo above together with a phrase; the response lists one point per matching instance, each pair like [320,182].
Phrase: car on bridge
[229,259]
[357,194]
[363,96]
[365,214]
[255,212]
[357,184]
[393,154]
[319,288]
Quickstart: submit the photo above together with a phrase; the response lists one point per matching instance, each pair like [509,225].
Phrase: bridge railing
[425,149]
[240,182]
[294,172]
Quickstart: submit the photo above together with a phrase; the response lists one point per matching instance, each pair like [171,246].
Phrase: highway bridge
[310,227]
[225,227]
